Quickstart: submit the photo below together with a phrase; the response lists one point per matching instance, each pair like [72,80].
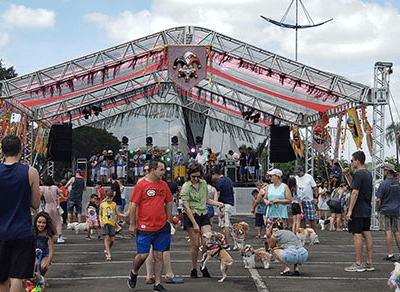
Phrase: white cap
[276,172]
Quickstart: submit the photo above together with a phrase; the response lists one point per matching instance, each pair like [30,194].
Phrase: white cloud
[21,16]
[4,38]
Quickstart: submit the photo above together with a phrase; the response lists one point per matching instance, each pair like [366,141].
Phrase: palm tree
[393,136]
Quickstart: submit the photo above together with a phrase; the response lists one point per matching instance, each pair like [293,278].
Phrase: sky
[38,34]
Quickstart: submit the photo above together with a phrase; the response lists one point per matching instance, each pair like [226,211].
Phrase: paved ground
[80,265]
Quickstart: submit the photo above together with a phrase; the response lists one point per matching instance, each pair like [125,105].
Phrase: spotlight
[149,141]
[174,140]
[199,140]
[87,113]
[125,140]
[255,117]
[193,150]
[168,168]
[247,114]
[96,110]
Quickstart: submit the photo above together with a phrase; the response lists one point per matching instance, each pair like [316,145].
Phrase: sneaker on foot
[205,273]
[132,280]
[149,280]
[88,238]
[227,247]
[389,258]
[60,240]
[369,267]
[159,287]
[173,280]
[316,240]
[355,268]
[193,273]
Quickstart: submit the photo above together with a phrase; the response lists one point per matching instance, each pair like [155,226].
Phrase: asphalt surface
[80,265]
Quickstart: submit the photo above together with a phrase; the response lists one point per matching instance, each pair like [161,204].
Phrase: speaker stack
[281,149]
[60,142]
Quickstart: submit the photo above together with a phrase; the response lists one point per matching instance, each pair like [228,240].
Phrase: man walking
[149,221]
[19,190]
[75,197]
[388,206]
[359,212]
[308,195]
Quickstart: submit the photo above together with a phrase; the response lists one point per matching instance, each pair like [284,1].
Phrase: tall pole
[297,23]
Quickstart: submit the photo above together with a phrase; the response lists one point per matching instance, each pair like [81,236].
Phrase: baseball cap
[78,170]
[298,168]
[389,166]
[276,172]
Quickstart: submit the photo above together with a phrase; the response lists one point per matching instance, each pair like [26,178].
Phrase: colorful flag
[337,140]
[354,126]
[367,129]
[298,146]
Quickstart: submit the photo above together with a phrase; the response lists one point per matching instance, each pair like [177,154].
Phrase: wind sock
[354,126]
[298,146]
[367,129]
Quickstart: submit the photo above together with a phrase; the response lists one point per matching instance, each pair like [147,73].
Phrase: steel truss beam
[99,76]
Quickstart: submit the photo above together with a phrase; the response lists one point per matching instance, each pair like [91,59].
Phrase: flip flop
[287,273]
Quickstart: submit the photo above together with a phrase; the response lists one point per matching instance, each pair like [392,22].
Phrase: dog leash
[39,286]
[222,216]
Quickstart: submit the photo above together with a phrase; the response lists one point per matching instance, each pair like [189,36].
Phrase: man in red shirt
[150,211]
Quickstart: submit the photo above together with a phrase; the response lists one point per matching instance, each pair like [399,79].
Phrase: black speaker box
[281,149]
[60,142]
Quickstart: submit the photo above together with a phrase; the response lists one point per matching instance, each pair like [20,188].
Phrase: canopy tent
[132,78]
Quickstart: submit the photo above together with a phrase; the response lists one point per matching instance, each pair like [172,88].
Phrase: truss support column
[309,151]
[50,168]
[380,94]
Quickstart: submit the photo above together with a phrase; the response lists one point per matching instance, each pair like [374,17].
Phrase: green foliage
[7,73]
[393,161]
[88,140]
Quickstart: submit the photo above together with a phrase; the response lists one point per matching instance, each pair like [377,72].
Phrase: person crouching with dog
[287,249]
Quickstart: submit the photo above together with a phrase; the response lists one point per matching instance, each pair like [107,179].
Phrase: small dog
[394,281]
[251,256]
[214,247]
[323,223]
[307,234]
[239,232]
[78,227]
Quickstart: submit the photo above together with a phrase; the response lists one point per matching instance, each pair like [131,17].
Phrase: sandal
[108,258]
[287,273]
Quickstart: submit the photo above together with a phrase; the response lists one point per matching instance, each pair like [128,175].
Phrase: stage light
[206,153]
[125,140]
[149,141]
[168,159]
[96,110]
[144,156]
[168,150]
[162,158]
[193,150]
[174,140]
[168,168]
[255,117]
[87,113]
[199,140]
[131,151]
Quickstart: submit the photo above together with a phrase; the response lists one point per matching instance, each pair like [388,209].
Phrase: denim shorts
[294,255]
[77,203]
[108,230]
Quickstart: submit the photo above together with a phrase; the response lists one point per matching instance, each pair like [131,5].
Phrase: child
[44,231]
[258,212]
[91,213]
[100,192]
[297,208]
[108,211]
[322,200]
[123,199]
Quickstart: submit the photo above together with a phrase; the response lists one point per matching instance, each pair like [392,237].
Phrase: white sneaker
[60,240]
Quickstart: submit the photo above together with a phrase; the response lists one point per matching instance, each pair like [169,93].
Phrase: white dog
[251,256]
[307,234]
[78,227]
[394,281]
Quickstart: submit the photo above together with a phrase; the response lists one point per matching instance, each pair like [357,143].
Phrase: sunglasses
[196,176]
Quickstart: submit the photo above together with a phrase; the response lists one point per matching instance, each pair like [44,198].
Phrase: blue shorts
[259,220]
[294,255]
[242,170]
[252,169]
[160,239]
[121,207]
[108,230]
[210,211]
[74,202]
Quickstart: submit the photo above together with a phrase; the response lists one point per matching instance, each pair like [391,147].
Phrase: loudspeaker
[231,173]
[281,149]
[60,142]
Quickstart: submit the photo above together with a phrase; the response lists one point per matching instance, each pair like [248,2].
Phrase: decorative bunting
[354,126]
[298,146]
[367,129]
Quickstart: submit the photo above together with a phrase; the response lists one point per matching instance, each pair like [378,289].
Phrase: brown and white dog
[214,241]
[239,232]
[251,256]
[306,234]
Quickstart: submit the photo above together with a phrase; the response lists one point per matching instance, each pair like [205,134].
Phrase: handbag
[60,210]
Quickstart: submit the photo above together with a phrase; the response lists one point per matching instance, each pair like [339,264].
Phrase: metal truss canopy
[126,77]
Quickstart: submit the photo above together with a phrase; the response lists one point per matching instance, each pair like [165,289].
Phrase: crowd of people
[161,200]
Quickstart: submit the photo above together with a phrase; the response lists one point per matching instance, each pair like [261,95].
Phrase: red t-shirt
[65,194]
[101,196]
[151,198]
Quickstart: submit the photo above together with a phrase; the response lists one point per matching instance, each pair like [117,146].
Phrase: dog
[214,242]
[78,227]
[323,223]
[238,233]
[252,256]
[394,281]
[307,234]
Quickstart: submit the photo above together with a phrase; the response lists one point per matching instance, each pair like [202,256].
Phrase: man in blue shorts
[359,212]
[19,190]
[150,212]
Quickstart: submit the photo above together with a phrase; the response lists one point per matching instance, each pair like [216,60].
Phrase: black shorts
[259,220]
[359,225]
[17,258]
[336,210]
[201,220]
[296,210]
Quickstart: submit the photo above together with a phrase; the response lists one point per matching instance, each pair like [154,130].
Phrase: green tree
[7,73]
[88,140]
[392,136]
